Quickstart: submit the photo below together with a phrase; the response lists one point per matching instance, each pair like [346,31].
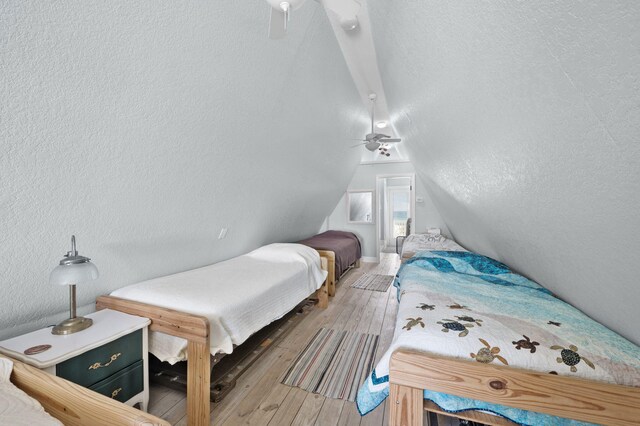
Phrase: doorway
[398,211]
[396,204]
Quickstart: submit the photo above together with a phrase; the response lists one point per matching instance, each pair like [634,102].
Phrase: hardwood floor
[260,399]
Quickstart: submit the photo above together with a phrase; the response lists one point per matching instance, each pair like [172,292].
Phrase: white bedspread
[239,296]
[16,407]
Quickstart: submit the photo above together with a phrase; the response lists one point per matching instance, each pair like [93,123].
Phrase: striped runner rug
[334,363]
[373,282]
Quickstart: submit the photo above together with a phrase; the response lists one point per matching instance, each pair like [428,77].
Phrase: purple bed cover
[344,244]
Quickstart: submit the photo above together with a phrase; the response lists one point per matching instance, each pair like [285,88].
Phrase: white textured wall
[426,215]
[523,119]
[145,126]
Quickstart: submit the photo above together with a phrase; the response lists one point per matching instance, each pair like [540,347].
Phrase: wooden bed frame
[196,330]
[410,372]
[73,404]
[331,268]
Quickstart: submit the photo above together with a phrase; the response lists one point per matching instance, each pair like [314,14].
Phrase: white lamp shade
[73,274]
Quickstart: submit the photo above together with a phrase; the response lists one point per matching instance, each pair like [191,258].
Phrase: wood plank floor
[260,399]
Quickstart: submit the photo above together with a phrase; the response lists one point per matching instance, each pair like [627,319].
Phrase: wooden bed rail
[331,269]
[176,323]
[193,328]
[75,405]
[410,372]
[323,292]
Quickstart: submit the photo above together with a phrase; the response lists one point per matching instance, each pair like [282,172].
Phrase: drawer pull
[97,365]
[115,393]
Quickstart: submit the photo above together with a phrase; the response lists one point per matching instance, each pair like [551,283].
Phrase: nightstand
[110,357]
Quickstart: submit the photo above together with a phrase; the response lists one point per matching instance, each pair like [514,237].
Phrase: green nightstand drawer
[97,364]
[123,385]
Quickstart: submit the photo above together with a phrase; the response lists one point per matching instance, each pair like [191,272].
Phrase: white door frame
[388,213]
[412,197]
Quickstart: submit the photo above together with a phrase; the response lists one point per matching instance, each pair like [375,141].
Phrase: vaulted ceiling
[523,120]
[145,128]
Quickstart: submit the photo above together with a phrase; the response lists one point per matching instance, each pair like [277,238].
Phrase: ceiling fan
[373,140]
[280,13]
[345,10]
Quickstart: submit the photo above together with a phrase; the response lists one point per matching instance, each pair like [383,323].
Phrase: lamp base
[72,325]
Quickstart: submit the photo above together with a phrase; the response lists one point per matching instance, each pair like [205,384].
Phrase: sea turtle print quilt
[464,305]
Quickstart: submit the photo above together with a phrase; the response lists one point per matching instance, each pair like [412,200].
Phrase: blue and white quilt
[464,305]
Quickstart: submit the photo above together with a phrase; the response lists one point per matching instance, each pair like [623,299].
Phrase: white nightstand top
[107,326]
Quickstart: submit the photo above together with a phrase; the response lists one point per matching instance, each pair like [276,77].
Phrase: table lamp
[73,269]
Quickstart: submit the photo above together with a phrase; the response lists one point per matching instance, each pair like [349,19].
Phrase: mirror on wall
[360,206]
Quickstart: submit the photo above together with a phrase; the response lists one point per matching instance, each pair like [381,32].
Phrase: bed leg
[198,384]
[332,285]
[357,264]
[406,405]
[323,296]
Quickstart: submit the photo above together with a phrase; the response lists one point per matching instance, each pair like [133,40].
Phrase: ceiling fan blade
[360,144]
[395,140]
[277,24]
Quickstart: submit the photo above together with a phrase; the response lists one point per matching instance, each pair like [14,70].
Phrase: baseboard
[369,259]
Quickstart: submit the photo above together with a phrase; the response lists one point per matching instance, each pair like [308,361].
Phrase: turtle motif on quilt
[526,343]
[424,307]
[413,322]
[457,306]
[467,318]
[454,325]
[571,357]
[488,354]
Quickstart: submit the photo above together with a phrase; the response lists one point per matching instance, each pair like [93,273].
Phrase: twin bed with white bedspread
[199,313]
[238,296]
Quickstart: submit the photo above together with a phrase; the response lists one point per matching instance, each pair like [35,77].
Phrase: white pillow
[6,367]
[16,407]
[431,238]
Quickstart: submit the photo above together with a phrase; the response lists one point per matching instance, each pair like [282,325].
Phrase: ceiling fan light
[381,124]
[349,24]
[372,145]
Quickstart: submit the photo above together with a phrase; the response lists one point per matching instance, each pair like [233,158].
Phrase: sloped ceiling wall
[523,119]
[146,127]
